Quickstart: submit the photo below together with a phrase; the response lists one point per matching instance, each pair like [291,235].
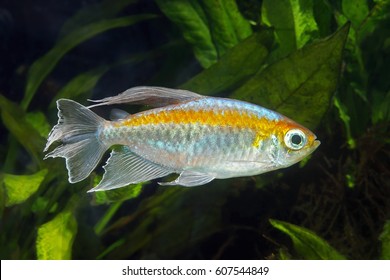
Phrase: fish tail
[78,129]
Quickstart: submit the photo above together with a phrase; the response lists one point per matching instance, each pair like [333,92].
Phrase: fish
[198,137]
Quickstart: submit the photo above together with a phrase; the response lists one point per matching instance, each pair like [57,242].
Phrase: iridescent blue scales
[201,138]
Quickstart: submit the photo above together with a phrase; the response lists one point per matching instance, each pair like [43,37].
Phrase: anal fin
[190,179]
[124,168]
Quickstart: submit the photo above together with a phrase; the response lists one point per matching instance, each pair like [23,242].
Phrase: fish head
[294,142]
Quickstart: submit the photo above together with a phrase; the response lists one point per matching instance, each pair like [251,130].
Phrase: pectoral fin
[124,168]
[153,96]
[190,179]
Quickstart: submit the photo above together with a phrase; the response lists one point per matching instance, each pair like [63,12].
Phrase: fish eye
[295,139]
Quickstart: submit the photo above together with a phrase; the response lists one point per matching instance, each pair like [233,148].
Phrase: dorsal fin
[153,96]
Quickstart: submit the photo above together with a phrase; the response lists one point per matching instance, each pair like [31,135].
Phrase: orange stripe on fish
[201,138]
[230,118]
[263,127]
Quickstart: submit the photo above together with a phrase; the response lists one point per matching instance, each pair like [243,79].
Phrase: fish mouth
[316,143]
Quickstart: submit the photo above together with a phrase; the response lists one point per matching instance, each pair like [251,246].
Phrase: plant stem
[107,217]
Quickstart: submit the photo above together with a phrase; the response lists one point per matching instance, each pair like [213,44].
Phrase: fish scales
[195,133]
[201,138]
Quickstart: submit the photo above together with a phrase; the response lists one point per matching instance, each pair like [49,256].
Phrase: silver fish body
[201,138]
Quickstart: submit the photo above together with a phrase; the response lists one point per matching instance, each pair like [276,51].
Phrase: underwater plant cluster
[322,63]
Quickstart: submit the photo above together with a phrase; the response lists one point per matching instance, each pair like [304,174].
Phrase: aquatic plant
[323,63]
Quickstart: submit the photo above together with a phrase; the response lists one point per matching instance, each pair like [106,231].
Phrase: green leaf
[39,122]
[20,187]
[44,65]
[210,27]
[173,220]
[385,239]
[100,226]
[15,121]
[85,82]
[241,25]
[80,84]
[380,107]
[189,17]
[344,116]
[115,198]
[301,85]
[238,64]
[95,12]
[355,10]
[116,195]
[293,21]
[283,254]
[55,238]
[307,244]
[379,13]
[226,24]
[365,47]
[40,204]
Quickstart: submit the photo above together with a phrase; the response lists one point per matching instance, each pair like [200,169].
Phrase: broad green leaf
[39,122]
[55,238]
[226,24]
[293,21]
[15,121]
[44,65]
[210,27]
[238,64]
[356,11]
[241,25]
[189,17]
[385,239]
[301,85]
[307,244]
[20,187]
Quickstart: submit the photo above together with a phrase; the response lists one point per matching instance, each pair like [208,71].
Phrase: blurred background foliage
[323,63]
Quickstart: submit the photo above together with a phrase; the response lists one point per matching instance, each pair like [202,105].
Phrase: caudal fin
[77,129]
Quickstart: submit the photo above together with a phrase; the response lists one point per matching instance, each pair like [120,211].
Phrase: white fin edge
[77,129]
[153,96]
[124,168]
[190,179]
